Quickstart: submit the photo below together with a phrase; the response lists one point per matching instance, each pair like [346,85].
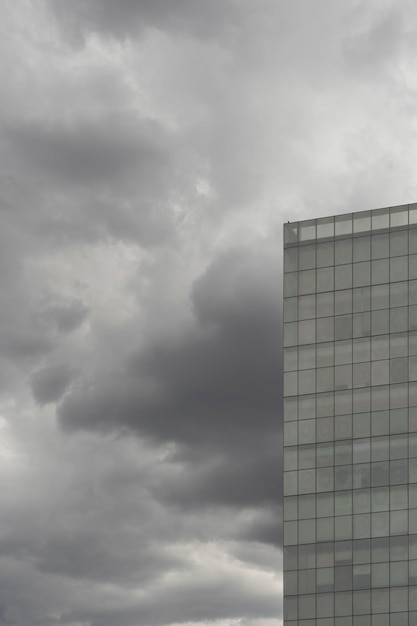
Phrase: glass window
[307,257]
[307,506]
[362,274]
[398,420]
[412,266]
[307,556]
[380,448]
[380,347]
[380,322]
[290,384]
[325,453]
[325,254]
[325,504]
[307,230]
[306,306]
[306,331]
[290,483]
[290,309]
[290,359]
[361,221]
[343,277]
[380,271]
[306,481]
[398,395]
[325,379]
[380,474]
[361,501]
[380,219]
[398,243]
[412,325]
[362,450]
[343,224]
[290,260]
[343,527]
[380,399]
[398,548]
[325,354]
[361,324]
[306,456]
[398,472]
[343,326]
[307,531]
[361,375]
[290,434]
[290,334]
[362,249]
[399,498]
[342,351]
[343,377]
[343,452]
[380,246]
[324,479]
[343,423]
[290,458]
[291,232]
[380,297]
[380,524]
[306,382]
[399,215]
[362,579]
[412,291]
[290,409]
[343,578]
[362,551]
[399,294]
[325,555]
[362,422]
[361,299]
[306,431]
[380,372]
[325,279]
[361,476]
[343,553]
[343,478]
[398,370]
[306,407]
[343,301]
[380,575]
[343,252]
[325,429]
[306,281]
[399,268]
[399,345]
[380,549]
[324,404]
[325,304]
[307,357]
[325,329]
[361,349]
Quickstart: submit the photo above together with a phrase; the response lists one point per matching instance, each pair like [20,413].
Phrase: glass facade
[350,419]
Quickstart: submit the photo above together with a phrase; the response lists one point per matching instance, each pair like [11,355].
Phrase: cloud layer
[150,153]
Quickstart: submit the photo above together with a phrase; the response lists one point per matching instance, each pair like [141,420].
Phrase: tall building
[350,419]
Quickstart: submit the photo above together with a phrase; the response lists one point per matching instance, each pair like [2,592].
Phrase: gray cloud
[132,17]
[150,152]
[49,383]
[226,387]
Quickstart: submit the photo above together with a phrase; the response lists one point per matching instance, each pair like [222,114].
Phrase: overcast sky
[150,152]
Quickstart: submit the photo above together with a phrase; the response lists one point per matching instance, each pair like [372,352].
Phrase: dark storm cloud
[218,383]
[90,151]
[65,316]
[129,18]
[49,383]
